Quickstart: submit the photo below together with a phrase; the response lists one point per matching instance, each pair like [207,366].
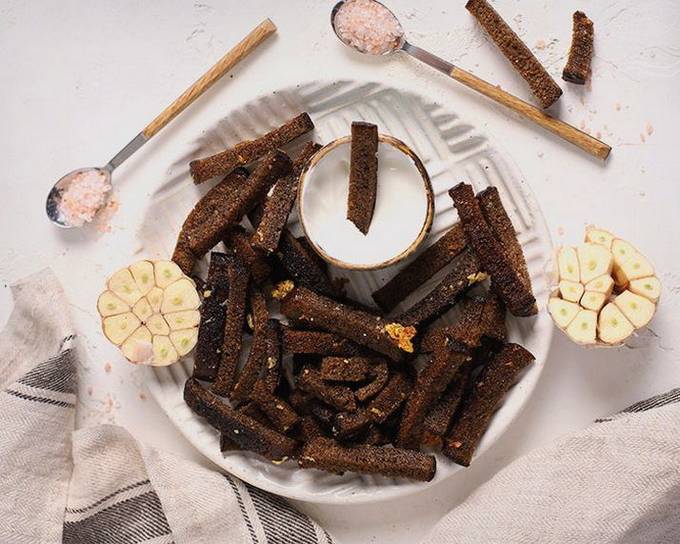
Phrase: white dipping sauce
[401,208]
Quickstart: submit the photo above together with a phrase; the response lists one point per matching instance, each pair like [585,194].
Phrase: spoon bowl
[55,195]
[397,44]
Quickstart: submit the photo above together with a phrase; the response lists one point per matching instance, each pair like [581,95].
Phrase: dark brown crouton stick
[363,175]
[493,318]
[260,268]
[273,166]
[211,329]
[347,425]
[246,432]
[203,213]
[278,206]
[390,399]
[257,356]
[431,383]
[272,367]
[251,410]
[380,374]
[246,152]
[498,219]
[308,429]
[258,310]
[298,259]
[279,412]
[519,300]
[467,329]
[577,69]
[366,329]
[544,88]
[183,257]
[345,369]
[251,370]
[302,265]
[493,383]
[425,265]
[337,396]
[323,413]
[463,275]
[326,454]
[316,343]
[304,242]
[233,326]
[438,420]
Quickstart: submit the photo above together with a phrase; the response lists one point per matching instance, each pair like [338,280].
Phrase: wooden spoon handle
[577,137]
[262,31]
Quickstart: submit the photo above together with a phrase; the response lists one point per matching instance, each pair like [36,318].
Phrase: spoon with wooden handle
[261,32]
[564,130]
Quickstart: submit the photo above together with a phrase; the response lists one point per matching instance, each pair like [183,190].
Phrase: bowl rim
[429,193]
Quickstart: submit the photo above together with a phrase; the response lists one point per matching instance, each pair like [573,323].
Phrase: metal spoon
[262,31]
[565,131]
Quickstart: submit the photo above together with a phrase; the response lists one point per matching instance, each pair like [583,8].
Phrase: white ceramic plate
[452,151]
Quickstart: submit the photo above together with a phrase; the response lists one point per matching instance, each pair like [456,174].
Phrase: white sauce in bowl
[401,211]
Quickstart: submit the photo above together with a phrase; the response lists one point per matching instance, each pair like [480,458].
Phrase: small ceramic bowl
[403,213]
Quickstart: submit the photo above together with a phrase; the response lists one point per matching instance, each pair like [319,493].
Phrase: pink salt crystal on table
[85,193]
[368,26]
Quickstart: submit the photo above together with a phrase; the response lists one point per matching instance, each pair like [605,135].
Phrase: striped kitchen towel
[37,409]
[616,482]
[99,485]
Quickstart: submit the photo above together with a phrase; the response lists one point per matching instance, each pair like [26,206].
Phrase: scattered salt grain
[85,193]
[368,26]
[105,215]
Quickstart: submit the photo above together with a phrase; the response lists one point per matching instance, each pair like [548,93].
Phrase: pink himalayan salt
[85,193]
[368,26]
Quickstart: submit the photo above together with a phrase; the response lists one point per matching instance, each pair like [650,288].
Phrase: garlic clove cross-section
[150,311]
[603,291]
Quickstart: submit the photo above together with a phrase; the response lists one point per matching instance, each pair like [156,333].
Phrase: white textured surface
[82,77]
[447,147]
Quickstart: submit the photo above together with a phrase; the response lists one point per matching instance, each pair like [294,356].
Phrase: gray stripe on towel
[132,521]
[657,401]
[40,399]
[281,523]
[242,507]
[56,374]
[104,499]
